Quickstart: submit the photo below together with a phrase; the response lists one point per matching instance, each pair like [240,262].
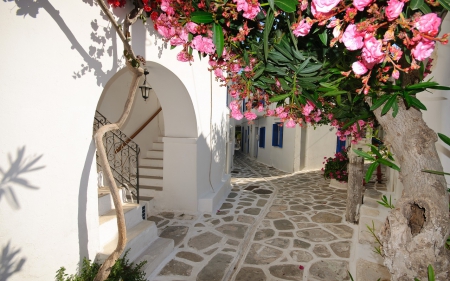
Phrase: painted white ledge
[336,184]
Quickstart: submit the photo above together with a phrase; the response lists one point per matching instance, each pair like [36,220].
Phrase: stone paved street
[273,226]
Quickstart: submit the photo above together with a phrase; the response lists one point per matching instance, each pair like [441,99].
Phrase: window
[277,134]
[262,137]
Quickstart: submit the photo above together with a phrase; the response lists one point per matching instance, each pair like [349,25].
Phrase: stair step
[144,187]
[155,154]
[138,238]
[158,146]
[159,139]
[150,171]
[108,221]
[142,198]
[153,162]
[150,181]
[155,254]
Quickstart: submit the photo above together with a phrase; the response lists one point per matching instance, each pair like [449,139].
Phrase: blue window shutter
[280,139]
[274,134]
[262,137]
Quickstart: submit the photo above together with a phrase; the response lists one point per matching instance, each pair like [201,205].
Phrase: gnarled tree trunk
[415,232]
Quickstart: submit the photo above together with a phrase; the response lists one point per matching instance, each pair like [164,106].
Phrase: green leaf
[375,151]
[271,3]
[267,28]
[311,68]
[417,103]
[425,9]
[283,51]
[298,55]
[218,38]
[444,138]
[302,65]
[201,17]
[284,85]
[267,80]
[279,97]
[334,93]
[379,102]
[288,6]
[422,85]
[324,37]
[388,104]
[415,4]
[445,4]
[388,163]
[391,87]
[430,273]
[258,72]
[394,108]
[363,154]
[370,171]
[436,172]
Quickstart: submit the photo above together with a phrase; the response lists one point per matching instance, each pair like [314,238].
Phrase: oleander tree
[348,63]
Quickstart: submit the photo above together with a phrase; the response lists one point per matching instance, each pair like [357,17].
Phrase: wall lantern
[145,88]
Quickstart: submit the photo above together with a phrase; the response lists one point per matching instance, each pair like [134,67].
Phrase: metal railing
[125,162]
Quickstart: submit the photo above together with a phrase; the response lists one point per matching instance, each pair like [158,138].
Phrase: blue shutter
[274,134]
[280,138]
[262,137]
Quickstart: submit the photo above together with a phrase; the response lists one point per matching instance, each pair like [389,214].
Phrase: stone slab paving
[273,226]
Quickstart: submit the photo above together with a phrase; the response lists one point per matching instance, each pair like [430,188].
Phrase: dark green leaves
[389,104]
[218,38]
[416,4]
[324,37]
[267,28]
[444,138]
[288,6]
[201,17]
[445,4]
[279,98]
[370,171]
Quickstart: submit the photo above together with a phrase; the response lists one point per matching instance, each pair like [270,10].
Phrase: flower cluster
[336,167]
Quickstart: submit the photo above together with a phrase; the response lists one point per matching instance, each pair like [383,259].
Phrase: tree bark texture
[355,187]
[415,232]
[105,269]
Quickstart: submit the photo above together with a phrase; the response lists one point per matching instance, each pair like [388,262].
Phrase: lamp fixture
[145,88]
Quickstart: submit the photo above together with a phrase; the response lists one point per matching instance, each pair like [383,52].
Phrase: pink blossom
[304,5]
[203,44]
[371,52]
[234,93]
[395,74]
[361,4]
[234,106]
[165,6]
[306,110]
[359,68]
[282,115]
[250,115]
[429,23]
[235,67]
[423,50]
[192,27]
[318,14]
[181,38]
[260,107]
[353,40]
[394,9]
[361,123]
[290,123]
[302,28]
[279,109]
[270,112]
[317,118]
[324,6]
[236,114]
[249,7]
[219,73]
[184,56]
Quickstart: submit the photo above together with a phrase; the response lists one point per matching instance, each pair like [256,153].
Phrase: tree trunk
[131,18]
[355,187]
[415,232]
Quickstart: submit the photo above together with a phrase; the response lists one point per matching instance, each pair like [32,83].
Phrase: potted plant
[336,169]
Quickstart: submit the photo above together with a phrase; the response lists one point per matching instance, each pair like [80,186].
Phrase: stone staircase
[151,170]
[142,234]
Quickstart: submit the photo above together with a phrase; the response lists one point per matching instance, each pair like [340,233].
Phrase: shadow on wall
[104,39]
[9,263]
[13,176]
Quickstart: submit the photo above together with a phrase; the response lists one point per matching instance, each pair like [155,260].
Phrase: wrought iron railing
[125,162]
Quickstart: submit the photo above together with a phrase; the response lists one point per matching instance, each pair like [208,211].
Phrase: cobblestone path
[273,226]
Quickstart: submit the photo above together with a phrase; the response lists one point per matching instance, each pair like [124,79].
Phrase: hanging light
[145,88]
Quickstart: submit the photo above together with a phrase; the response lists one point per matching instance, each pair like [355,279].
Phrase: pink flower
[250,115]
[290,123]
[429,23]
[324,6]
[270,112]
[235,67]
[203,44]
[301,267]
[423,50]
[260,107]
[302,28]
[361,4]
[234,93]
[219,73]
[191,27]
[165,6]
[353,40]
[279,109]
[393,9]
[306,110]
[318,14]
[184,56]
[181,38]
[234,106]
[249,7]
[359,68]
[395,74]
[236,114]
[371,52]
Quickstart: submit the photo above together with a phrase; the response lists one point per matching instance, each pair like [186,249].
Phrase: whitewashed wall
[52,76]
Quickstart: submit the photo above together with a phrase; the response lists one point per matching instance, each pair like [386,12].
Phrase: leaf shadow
[10,263]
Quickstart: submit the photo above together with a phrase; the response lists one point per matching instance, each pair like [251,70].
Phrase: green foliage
[384,202]
[431,276]
[377,249]
[336,167]
[122,270]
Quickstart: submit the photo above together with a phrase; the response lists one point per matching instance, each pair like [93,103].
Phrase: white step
[108,221]
[158,146]
[150,181]
[151,171]
[150,191]
[155,154]
[152,162]
[138,239]
[155,254]
[105,202]
[159,139]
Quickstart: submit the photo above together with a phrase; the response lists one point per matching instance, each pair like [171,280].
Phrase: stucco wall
[53,73]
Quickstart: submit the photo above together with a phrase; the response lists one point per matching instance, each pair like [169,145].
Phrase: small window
[262,137]
[277,134]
